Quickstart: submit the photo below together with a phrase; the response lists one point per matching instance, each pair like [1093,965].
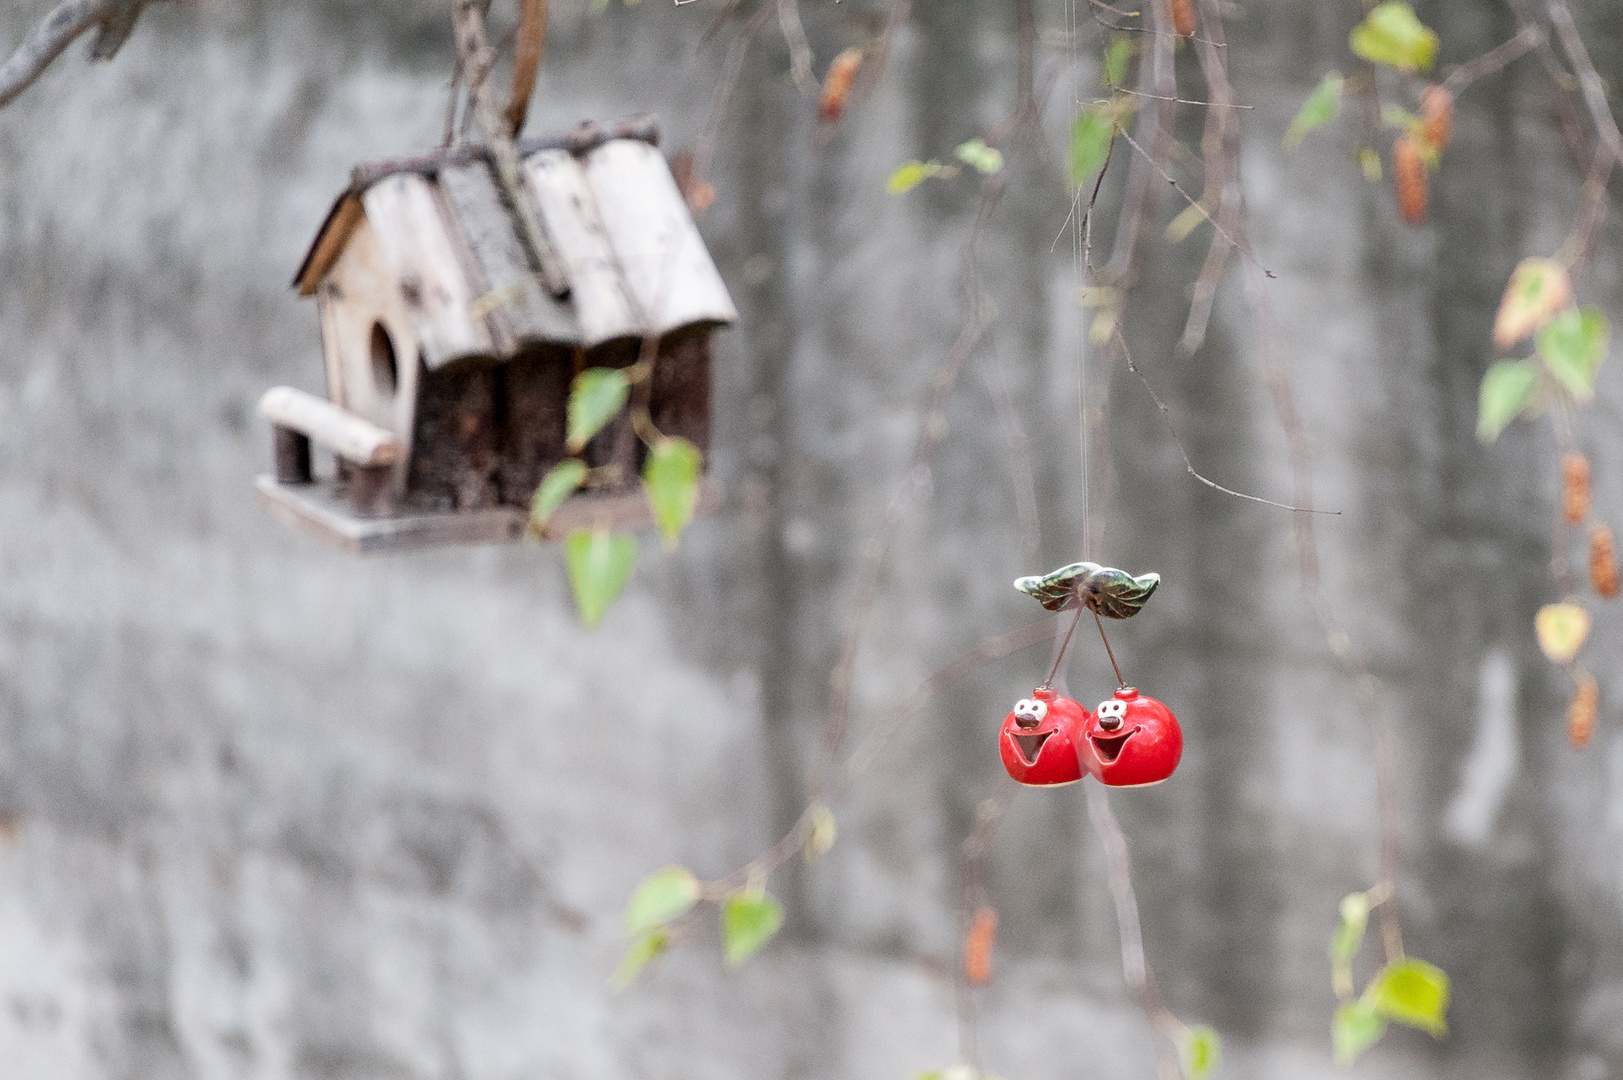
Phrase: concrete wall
[275,812]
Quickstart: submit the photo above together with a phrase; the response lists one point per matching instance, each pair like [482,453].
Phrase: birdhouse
[454,321]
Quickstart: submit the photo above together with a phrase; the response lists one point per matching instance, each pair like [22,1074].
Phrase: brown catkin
[1603,561]
[1574,488]
[1583,709]
[1409,177]
[1183,17]
[1437,117]
[837,85]
[978,947]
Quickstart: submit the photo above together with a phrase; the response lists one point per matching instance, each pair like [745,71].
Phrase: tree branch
[66,21]
[532,37]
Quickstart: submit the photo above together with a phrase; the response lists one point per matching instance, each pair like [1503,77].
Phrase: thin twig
[1166,417]
[1529,37]
[60,27]
[800,54]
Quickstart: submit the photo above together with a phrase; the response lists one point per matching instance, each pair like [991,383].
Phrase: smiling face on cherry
[1131,741]
[1039,739]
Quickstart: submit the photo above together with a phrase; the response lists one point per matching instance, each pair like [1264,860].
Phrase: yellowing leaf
[749,919]
[1572,346]
[1370,162]
[1199,1050]
[980,157]
[596,395]
[820,837]
[1561,630]
[1412,992]
[911,174]
[1322,106]
[671,477]
[1188,219]
[662,896]
[599,565]
[642,950]
[1091,135]
[1538,289]
[1391,34]
[1509,387]
[1356,1028]
[561,481]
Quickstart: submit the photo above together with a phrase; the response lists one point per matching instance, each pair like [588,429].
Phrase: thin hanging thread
[1048,683]
[1121,682]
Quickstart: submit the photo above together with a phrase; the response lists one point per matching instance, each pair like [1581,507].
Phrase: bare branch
[66,21]
[800,55]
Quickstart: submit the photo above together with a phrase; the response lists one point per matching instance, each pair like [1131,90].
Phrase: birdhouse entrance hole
[385,369]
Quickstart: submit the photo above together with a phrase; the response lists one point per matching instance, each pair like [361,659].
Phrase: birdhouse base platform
[321,509]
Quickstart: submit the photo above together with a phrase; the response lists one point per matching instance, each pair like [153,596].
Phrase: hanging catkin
[1583,709]
[1603,561]
[1574,488]
[1409,176]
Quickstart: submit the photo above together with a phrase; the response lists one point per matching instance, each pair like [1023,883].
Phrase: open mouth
[1108,747]
[1030,745]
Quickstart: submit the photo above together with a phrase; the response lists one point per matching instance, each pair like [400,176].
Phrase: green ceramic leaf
[1572,346]
[980,157]
[1199,1050]
[1322,106]
[749,919]
[599,565]
[597,394]
[1412,992]
[1509,387]
[1356,1028]
[666,894]
[671,477]
[1091,134]
[1391,34]
[1104,590]
[561,481]
[639,954]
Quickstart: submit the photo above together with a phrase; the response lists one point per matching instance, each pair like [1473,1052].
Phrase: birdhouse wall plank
[662,258]
[456,442]
[679,402]
[360,294]
[604,308]
[518,309]
[415,238]
[536,392]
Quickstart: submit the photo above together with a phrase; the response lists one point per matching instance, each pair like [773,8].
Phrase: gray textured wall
[274,812]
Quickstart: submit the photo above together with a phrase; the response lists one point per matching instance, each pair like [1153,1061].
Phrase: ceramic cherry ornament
[1041,738]
[1131,741]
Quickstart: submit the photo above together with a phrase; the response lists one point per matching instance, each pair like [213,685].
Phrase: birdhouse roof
[631,260]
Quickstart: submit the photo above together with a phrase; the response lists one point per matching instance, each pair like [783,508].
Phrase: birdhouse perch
[450,351]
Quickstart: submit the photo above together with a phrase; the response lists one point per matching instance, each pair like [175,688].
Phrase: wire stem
[1048,683]
[1121,682]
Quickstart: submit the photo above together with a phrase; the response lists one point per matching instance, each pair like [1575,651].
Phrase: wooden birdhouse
[451,341]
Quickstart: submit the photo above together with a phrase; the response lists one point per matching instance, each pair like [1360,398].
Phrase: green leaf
[1350,934]
[1118,54]
[1356,1028]
[984,159]
[1391,34]
[638,955]
[598,393]
[1370,162]
[671,477]
[1091,134]
[599,564]
[1509,387]
[561,481]
[662,896]
[911,174]
[749,918]
[1322,106]
[1572,346]
[1199,1050]
[1412,992]
[1538,288]
[1396,116]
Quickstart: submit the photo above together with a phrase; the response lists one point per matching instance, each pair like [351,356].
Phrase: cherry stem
[1121,682]
[1048,683]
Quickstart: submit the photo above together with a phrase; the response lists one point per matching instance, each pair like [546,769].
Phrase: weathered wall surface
[272,812]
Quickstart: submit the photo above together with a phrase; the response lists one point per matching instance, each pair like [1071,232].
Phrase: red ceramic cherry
[1132,741]
[1041,737]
